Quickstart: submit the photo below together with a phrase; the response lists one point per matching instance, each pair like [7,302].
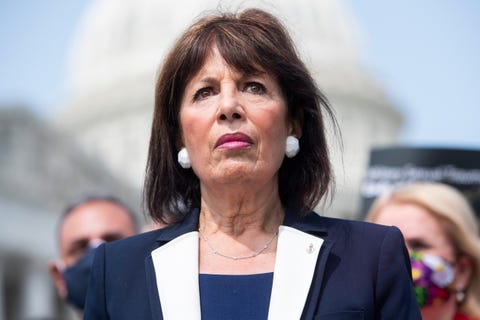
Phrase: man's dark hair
[98,198]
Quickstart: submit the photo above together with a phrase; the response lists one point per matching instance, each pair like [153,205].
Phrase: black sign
[396,166]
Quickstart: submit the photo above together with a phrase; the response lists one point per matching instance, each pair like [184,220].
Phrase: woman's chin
[233,172]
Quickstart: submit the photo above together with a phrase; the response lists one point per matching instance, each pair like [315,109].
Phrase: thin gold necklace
[253,255]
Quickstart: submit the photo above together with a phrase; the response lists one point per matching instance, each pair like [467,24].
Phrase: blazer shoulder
[144,243]
[331,223]
[351,231]
[140,244]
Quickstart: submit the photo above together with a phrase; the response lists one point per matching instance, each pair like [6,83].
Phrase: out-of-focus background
[76,96]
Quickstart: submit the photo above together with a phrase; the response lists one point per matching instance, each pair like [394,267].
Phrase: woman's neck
[239,221]
[234,213]
[229,230]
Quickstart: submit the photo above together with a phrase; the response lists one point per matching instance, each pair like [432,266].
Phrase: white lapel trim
[176,271]
[297,254]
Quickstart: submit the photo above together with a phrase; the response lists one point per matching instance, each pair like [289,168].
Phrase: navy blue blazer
[360,271]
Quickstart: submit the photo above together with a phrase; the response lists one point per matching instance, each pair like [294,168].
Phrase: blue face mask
[77,277]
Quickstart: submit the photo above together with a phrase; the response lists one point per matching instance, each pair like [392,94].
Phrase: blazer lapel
[173,267]
[176,273]
[167,267]
[297,254]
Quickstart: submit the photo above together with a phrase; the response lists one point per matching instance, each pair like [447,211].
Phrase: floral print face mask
[432,278]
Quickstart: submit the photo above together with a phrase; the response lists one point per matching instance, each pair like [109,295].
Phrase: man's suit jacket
[325,268]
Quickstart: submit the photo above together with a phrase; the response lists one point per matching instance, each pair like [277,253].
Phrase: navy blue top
[232,297]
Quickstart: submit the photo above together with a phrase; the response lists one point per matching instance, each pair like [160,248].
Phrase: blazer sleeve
[95,305]
[394,286]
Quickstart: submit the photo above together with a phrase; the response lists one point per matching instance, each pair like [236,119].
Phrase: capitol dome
[120,44]
[126,39]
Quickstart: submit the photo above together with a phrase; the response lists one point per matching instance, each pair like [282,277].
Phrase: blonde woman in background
[441,233]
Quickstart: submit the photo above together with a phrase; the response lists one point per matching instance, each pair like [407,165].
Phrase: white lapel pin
[310,248]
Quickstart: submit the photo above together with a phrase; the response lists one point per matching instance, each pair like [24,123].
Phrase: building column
[3,308]
[37,293]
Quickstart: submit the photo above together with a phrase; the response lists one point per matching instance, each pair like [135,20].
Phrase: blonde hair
[449,205]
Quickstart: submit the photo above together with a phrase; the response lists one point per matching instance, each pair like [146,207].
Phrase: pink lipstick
[234,141]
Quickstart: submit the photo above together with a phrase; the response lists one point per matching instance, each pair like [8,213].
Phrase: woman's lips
[234,141]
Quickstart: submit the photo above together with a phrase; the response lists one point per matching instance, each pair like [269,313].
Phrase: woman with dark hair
[238,159]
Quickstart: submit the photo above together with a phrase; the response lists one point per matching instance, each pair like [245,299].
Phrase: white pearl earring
[292,146]
[184,159]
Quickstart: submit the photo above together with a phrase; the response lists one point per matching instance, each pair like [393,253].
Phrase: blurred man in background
[82,227]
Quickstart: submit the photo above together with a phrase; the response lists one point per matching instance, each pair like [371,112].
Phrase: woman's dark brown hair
[250,41]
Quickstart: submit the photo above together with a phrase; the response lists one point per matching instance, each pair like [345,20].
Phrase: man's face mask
[77,277]
[432,278]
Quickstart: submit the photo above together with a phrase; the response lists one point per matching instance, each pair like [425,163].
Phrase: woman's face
[423,233]
[233,125]
[421,230]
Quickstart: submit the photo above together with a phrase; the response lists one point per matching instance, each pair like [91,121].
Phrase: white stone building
[41,172]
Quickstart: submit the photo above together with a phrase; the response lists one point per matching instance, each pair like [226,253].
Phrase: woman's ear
[295,129]
[179,144]
[463,272]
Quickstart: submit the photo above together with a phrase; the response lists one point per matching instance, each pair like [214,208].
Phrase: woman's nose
[230,107]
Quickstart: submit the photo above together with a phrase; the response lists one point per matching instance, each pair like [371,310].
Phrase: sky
[425,54]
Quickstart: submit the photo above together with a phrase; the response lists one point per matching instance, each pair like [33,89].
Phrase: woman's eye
[255,88]
[418,245]
[203,93]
